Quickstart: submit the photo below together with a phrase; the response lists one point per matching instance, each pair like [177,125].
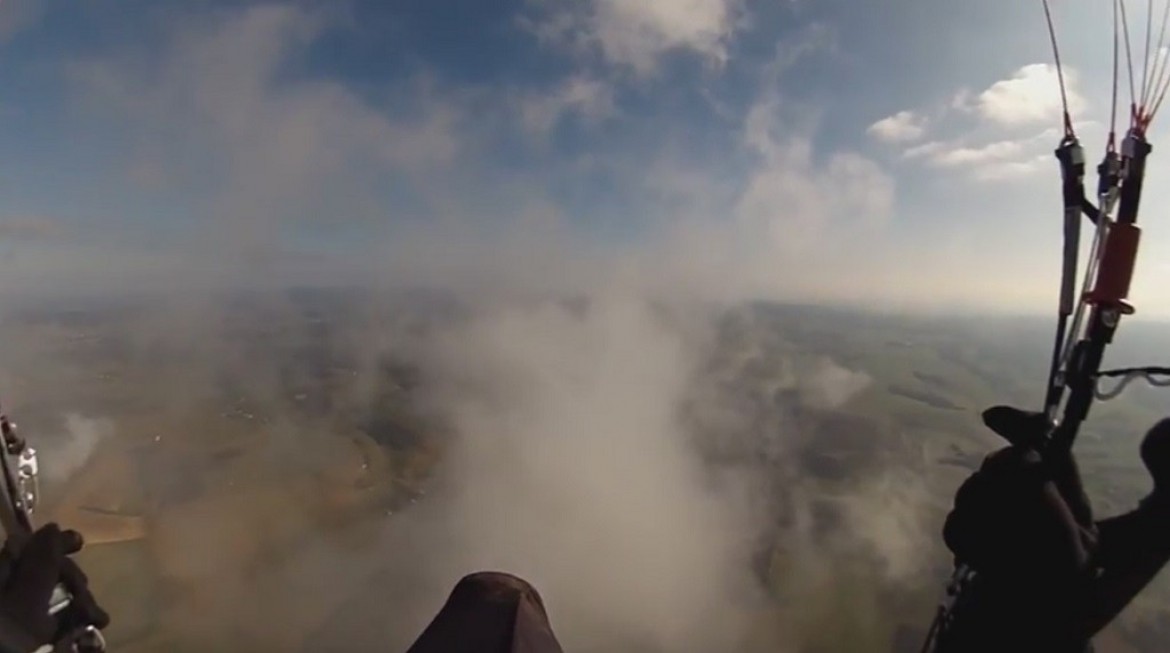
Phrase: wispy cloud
[995,161]
[273,153]
[583,97]
[901,127]
[955,156]
[636,34]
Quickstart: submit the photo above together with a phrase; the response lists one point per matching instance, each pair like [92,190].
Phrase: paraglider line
[1068,128]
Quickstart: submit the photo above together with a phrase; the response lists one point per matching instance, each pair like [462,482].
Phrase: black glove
[1156,456]
[1019,427]
[992,506]
[1023,511]
[27,580]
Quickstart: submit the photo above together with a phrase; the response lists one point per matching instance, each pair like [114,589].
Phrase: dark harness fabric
[490,612]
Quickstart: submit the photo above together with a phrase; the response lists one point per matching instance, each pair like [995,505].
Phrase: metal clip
[27,470]
[1129,146]
[85,640]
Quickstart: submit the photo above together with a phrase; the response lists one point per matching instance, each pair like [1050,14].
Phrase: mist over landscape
[763,477]
[683,311]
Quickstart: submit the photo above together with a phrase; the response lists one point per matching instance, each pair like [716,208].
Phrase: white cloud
[636,33]
[69,452]
[1008,170]
[574,387]
[830,386]
[996,161]
[589,99]
[975,156]
[924,150]
[1030,95]
[901,127]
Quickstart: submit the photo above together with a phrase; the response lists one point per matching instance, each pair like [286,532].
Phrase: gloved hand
[993,506]
[1020,428]
[1155,451]
[27,580]
[1023,511]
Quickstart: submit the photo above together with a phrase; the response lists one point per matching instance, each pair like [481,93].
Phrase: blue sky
[893,152]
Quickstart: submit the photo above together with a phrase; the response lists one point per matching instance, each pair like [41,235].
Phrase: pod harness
[1087,321]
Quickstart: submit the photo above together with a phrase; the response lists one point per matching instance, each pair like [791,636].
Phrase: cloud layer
[303,179]
[656,145]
